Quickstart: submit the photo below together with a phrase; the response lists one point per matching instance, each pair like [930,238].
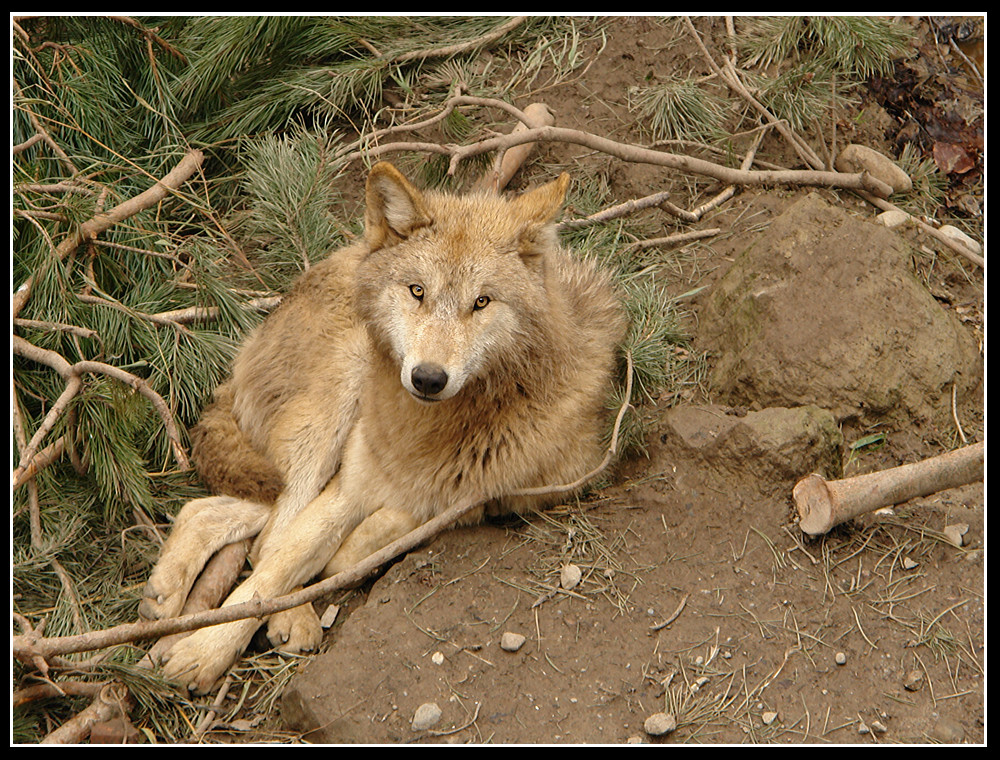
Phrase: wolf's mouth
[425,399]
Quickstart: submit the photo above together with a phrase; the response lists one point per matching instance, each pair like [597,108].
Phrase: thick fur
[456,353]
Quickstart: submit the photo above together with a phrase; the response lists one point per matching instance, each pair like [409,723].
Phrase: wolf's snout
[429,379]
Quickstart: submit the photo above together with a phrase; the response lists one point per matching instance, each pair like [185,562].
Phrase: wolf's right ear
[395,209]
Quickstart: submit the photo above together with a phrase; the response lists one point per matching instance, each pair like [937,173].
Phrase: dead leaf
[952,159]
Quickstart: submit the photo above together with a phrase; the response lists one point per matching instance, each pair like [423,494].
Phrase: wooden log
[822,504]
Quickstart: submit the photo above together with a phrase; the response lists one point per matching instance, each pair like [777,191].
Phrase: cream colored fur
[456,353]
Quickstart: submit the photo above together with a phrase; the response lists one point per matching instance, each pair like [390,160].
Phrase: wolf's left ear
[539,208]
[543,203]
[395,209]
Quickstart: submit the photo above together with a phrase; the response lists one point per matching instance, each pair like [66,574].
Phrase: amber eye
[417,291]
[481,303]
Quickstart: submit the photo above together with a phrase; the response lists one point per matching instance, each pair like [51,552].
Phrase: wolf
[456,352]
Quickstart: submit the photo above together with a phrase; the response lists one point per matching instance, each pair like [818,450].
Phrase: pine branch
[93,227]
[72,374]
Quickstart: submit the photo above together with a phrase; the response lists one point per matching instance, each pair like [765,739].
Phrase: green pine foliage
[253,75]
[291,187]
[797,66]
[856,46]
[679,108]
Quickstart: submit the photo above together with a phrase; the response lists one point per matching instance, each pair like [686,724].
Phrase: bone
[822,504]
[510,161]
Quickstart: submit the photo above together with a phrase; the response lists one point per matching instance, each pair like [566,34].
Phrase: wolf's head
[454,287]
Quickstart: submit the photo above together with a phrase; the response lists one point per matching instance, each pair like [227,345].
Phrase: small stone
[879,727]
[909,564]
[863,728]
[840,658]
[437,658]
[511,642]
[569,576]
[426,716]
[860,158]
[956,534]
[659,724]
[957,235]
[948,731]
[696,686]
[635,739]
[892,218]
[913,680]
[329,616]
[768,717]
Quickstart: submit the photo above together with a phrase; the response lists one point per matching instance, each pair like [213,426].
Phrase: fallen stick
[822,504]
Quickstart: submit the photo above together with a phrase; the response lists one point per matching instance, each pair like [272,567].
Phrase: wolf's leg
[377,531]
[294,556]
[306,447]
[298,630]
[203,526]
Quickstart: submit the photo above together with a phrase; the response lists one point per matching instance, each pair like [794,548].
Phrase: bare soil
[760,614]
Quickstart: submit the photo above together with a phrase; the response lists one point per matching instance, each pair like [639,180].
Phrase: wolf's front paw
[295,631]
[164,595]
[199,660]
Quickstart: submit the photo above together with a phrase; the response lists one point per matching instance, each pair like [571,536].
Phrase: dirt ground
[699,596]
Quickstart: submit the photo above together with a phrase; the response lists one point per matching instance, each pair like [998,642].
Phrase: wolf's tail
[226,460]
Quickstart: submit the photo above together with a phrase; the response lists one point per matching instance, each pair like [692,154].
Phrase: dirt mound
[823,308]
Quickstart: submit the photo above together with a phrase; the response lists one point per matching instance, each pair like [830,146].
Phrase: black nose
[429,379]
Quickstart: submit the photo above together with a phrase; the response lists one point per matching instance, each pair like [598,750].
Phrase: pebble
[769,717]
[909,564]
[892,218]
[511,642]
[840,658]
[569,576]
[426,716]
[329,616]
[879,727]
[659,724]
[956,234]
[956,533]
[437,658]
[860,158]
[913,680]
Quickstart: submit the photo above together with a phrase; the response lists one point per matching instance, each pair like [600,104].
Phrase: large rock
[773,446]
[823,309]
